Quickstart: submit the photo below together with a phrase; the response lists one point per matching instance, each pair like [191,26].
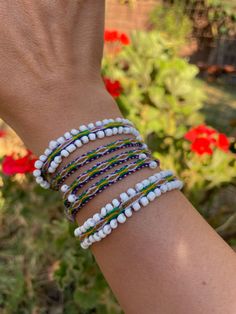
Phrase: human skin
[166,259]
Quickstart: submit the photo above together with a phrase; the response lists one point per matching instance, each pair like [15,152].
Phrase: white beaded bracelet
[54,144]
[125,197]
[133,207]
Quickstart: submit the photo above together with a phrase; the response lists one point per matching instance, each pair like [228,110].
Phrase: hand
[50,55]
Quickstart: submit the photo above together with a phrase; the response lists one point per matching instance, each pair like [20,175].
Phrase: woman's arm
[166,259]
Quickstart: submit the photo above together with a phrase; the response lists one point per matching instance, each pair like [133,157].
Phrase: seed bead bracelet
[92,191]
[92,155]
[54,154]
[122,216]
[85,137]
[124,201]
[101,168]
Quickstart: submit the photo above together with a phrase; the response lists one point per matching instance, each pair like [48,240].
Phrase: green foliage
[43,269]
[162,95]
[172,21]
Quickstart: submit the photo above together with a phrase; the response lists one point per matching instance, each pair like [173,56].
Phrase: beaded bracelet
[126,198]
[63,146]
[92,155]
[121,217]
[83,198]
[101,168]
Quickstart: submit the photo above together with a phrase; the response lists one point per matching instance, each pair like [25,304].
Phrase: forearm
[166,258]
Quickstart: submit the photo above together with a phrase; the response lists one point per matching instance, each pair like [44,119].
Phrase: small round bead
[115,131]
[53,145]
[144,201]
[83,128]
[38,164]
[131,192]
[113,223]
[101,234]
[91,222]
[151,196]
[91,126]
[43,158]
[109,207]
[105,121]
[103,212]
[65,153]
[111,120]
[61,140]
[135,132]
[45,185]
[169,186]
[153,164]
[124,197]
[92,137]
[47,151]
[139,138]
[120,129]
[145,182]
[39,179]
[145,146]
[163,188]
[98,123]
[74,132]
[157,192]
[36,173]
[64,188]
[108,132]
[97,217]
[54,165]
[91,239]
[85,139]
[71,198]
[139,186]
[82,228]
[107,229]
[128,212]
[127,130]
[142,156]
[51,170]
[78,143]
[77,232]
[115,202]
[96,237]
[136,206]
[67,135]
[87,242]
[152,179]
[71,148]
[58,159]
[83,245]
[118,119]
[100,134]
[86,225]
[121,218]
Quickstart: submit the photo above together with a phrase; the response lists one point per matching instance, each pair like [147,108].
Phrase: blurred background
[171,66]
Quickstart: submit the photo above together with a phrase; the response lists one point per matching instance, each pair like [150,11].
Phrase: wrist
[61,108]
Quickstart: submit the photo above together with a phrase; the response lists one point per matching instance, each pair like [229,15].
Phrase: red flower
[124,39]
[12,165]
[2,133]
[204,139]
[223,142]
[201,146]
[113,87]
[111,36]
[115,36]
[202,129]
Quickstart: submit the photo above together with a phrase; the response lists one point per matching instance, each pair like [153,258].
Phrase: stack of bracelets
[50,173]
